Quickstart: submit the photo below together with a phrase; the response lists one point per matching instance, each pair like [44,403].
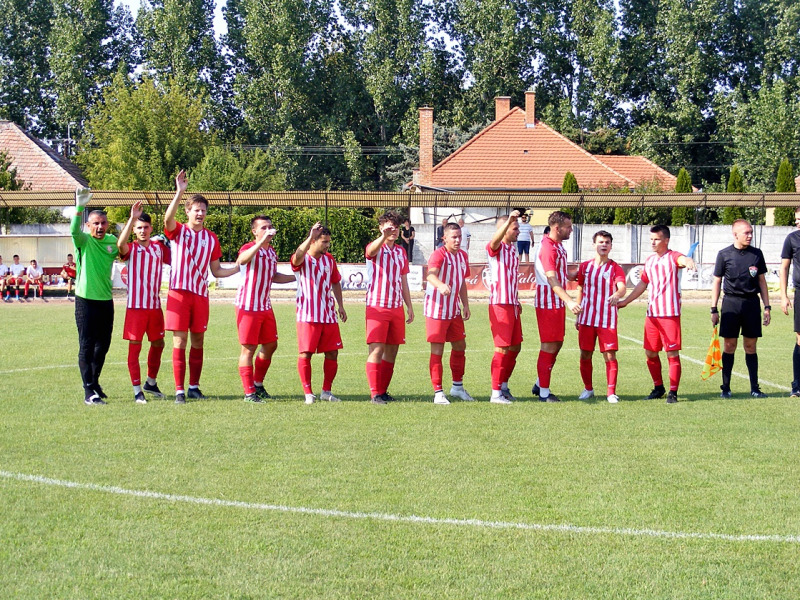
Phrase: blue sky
[219,21]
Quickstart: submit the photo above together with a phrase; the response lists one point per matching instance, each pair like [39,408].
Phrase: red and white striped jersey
[552,256]
[253,293]
[453,269]
[192,253]
[662,275]
[599,282]
[503,274]
[144,273]
[385,277]
[314,296]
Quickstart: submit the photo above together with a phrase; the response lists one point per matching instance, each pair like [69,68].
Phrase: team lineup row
[195,250]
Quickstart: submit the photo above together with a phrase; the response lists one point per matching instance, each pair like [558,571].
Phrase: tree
[681,215]
[735,186]
[784,215]
[570,184]
[224,169]
[140,135]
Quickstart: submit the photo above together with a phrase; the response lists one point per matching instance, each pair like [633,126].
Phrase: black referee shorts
[796,307]
[741,314]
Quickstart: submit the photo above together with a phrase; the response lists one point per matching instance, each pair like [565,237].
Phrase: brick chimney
[530,108]
[502,106]
[425,146]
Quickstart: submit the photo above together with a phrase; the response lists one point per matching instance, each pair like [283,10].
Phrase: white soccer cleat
[501,399]
[310,398]
[613,398]
[440,398]
[460,392]
[327,397]
[586,394]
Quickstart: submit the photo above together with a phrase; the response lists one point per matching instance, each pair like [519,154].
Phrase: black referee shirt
[791,250]
[740,270]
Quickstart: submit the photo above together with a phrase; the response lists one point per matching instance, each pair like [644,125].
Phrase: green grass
[705,465]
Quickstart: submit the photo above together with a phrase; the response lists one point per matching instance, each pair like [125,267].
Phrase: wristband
[714,310]
[767,307]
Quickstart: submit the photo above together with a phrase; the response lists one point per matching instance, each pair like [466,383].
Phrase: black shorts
[796,315]
[740,314]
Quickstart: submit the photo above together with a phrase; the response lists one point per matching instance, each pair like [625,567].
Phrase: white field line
[415,519]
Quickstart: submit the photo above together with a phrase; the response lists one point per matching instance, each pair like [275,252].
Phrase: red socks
[133,363]
[544,366]
[373,376]
[329,369]
[674,372]
[304,369]
[154,361]
[586,373]
[654,366]
[179,367]
[436,369]
[497,370]
[458,362]
[612,367]
[386,372]
[246,373]
[261,368]
[195,365]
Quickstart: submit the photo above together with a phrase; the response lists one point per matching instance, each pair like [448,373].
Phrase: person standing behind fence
[94,306]
[407,234]
[790,257]
[525,240]
[143,315]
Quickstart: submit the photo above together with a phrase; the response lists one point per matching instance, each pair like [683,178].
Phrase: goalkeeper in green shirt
[95,253]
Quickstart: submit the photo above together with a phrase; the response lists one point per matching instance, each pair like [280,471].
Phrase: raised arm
[82,197]
[498,236]
[375,245]
[172,210]
[264,236]
[299,256]
[125,234]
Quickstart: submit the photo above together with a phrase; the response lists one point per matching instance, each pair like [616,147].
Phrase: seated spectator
[68,274]
[3,274]
[34,275]
[15,278]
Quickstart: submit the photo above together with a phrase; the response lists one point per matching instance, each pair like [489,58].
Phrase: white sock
[544,392]
[151,381]
[496,393]
[458,384]
[504,385]
[137,390]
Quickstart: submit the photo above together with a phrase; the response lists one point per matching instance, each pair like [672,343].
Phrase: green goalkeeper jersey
[94,259]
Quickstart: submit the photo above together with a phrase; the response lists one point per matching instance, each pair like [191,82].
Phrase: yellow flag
[713,362]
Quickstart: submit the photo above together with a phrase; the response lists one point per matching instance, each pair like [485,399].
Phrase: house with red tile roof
[519,153]
[39,167]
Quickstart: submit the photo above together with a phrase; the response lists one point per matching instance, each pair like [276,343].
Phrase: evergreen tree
[570,185]
[784,215]
[682,215]
[735,186]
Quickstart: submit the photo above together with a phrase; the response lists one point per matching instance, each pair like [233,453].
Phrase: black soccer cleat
[672,397]
[262,393]
[378,399]
[153,390]
[757,393]
[99,391]
[551,398]
[388,397]
[196,394]
[180,398]
[139,398]
[726,392]
[658,392]
[253,398]
[535,390]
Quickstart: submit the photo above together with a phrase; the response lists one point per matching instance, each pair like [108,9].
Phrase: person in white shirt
[466,236]
[34,275]
[15,277]
[525,239]
[3,274]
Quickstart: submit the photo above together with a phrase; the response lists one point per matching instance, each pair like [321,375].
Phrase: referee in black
[790,257]
[742,267]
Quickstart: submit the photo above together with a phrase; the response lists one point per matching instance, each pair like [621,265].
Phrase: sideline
[415,519]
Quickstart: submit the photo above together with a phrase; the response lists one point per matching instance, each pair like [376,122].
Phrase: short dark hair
[391,216]
[602,233]
[662,229]
[97,211]
[451,227]
[324,231]
[546,230]
[259,218]
[196,198]
[15,256]
[558,217]
[145,218]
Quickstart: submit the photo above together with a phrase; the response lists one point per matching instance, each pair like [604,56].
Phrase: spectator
[466,236]
[3,275]
[525,239]
[68,274]
[407,235]
[34,275]
[440,233]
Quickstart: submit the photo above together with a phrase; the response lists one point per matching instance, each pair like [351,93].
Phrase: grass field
[409,500]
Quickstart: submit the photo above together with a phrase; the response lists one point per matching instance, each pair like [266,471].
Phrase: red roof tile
[38,166]
[640,170]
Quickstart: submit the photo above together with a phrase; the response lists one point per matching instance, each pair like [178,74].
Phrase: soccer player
[194,249]
[68,274]
[552,300]
[318,283]
[255,320]
[446,308]
[505,311]
[33,275]
[387,290]
[743,268]
[662,324]
[94,306]
[16,277]
[601,284]
[790,256]
[525,239]
[145,258]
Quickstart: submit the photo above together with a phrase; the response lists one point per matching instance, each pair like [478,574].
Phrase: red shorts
[662,332]
[445,330]
[15,280]
[256,327]
[506,323]
[318,337]
[587,335]
[187,311]
[386,325]
[139,321]
[551,324]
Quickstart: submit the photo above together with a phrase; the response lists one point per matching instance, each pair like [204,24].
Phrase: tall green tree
[570,184]
[735,186]
[226,169]
[784,182]
[682,215]
[141,134]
